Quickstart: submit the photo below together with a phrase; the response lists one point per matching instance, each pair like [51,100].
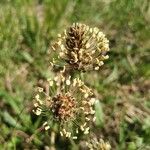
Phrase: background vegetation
[122,85]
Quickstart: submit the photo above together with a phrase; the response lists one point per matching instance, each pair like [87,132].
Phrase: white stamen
[87,45]
[74,137]
[77,131]
[101,63]
[47,127]
[86,95]
[45,123]
[40,89]
[88,119]
[94,119]
[86,130]
[92,101]
[38,111]
[36,104]
[81,127]
[51,83]
[68,82]
[96,68]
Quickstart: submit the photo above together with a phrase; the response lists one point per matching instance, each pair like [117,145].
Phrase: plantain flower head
[96,144]
[81,48]
[69,104]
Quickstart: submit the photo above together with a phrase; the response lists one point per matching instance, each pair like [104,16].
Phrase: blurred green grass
[27,27]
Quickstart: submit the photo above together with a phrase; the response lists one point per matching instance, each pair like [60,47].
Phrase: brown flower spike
[81,48]
[69,104]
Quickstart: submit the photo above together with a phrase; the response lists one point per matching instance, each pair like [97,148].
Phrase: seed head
[69,104]
[63,107]
[95,144]
[81,48]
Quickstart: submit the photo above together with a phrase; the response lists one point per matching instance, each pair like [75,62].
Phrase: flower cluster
[69,104]
[81,48]
[95,144]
